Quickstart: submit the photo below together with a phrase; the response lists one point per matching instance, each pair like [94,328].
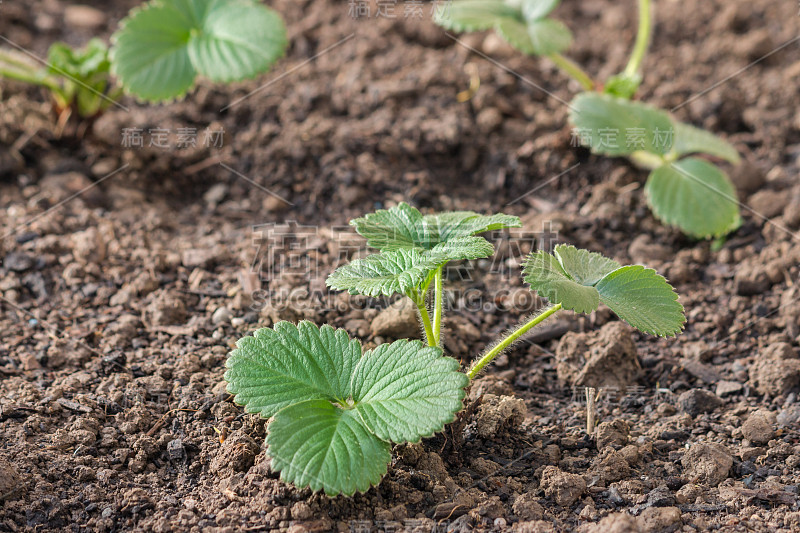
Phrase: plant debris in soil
[127,274]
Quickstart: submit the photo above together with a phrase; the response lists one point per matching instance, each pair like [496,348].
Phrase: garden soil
[137,249]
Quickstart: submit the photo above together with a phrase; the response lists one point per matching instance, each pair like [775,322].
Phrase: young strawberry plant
[78,80]
[413,251]
[336,411]
[157,54]
[683,190]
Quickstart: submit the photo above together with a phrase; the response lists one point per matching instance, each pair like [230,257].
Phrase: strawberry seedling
[682,189]
[413,251]
[157,54]
[336,411]
[78,80]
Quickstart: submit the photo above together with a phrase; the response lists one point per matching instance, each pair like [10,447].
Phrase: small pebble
[221,316]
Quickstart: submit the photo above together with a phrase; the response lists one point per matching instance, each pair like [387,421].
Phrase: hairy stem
[573,70]
[642,39]
[437,306]
[508,341]
[419,300]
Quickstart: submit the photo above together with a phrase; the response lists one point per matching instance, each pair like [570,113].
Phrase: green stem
[573,70]
[10,59]
[642,39]
[437,307]
[29,77]
[419,301]
[516,334]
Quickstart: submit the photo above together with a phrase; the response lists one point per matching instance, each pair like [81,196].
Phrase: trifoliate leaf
[474,15]
[459,248]
[583,266]
[404,227]
[538,9]
[694,195]
[579,280]
[546,276]
[288,364]
[385,273]
[334,409]
[691,140]
[643,299]
[404,390]
[617,127]
[318,445]
[161,47]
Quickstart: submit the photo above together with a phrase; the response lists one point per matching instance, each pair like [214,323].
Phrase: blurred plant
[158,51]
[161,47]
[335,411]
[691,193]
[78,80]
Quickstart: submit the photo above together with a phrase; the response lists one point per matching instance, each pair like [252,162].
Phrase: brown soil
[120,302]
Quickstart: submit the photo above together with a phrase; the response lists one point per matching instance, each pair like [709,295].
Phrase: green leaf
[617,127]
[455,224]
[282,366]
[549,36]
[689,140]
[238,40]
[474,15]
[385,273]
[459,248]
[335,410]
[538,9]
[534,36]
[400,227]
[316,444]
[694,195]
[515,32]
[404,227]
[583,266]
[404,390]
[150,56]
[81,64]
[643,299]
[161,47]
[579,280]
[544,273]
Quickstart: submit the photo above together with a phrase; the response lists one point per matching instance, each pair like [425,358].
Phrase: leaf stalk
[419,300]
[509,340]
[437,306]
[573,70]
[642,40]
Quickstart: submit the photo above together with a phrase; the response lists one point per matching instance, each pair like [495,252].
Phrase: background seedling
[78,80]
[336,411]
[691,193]
[158,52]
